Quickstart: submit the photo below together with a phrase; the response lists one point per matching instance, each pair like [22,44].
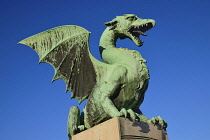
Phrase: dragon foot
[74,125]
[159,121]
[81,128]
[129,114]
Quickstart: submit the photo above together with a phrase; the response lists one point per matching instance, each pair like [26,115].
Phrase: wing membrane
[66,48]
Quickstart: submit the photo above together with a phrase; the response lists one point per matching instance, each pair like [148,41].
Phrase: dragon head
[130,26]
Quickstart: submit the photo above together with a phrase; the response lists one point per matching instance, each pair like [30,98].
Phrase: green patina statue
[115,87]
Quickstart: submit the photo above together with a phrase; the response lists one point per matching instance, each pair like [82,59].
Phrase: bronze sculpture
[115,87]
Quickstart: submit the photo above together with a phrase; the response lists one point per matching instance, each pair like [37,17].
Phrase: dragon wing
[66,48]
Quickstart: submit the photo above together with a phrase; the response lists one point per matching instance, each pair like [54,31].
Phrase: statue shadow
[143,126]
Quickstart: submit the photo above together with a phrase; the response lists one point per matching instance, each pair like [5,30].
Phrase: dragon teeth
[135,27]
[140,26]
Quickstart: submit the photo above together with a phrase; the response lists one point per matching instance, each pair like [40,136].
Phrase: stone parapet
[122,129]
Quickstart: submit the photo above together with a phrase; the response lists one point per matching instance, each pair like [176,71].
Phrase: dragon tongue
[140,32]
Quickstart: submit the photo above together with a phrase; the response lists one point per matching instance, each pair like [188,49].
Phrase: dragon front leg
[114,112]
[108,88]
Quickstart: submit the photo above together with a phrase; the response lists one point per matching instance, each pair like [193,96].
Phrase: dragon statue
[115,87]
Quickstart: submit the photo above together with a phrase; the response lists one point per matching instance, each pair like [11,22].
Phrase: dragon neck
[107,46]
[109,53]
[108,39]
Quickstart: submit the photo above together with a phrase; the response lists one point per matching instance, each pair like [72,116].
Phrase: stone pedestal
[122,129]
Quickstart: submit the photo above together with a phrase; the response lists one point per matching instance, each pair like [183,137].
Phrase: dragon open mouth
[136,31]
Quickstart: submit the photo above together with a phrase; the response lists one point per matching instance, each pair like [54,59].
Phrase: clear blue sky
[177,51]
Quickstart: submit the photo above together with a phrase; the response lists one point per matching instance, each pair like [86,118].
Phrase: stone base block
[122,129]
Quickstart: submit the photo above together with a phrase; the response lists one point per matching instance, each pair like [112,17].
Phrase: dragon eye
[131,18]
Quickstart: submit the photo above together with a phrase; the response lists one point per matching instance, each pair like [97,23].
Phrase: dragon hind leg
[74,121]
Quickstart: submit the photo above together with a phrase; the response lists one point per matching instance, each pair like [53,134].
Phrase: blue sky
[177,51]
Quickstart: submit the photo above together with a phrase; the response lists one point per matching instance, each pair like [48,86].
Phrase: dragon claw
[153,120]
[123,112]
[129,113]
[81,127]
[158,120]
[132,115]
